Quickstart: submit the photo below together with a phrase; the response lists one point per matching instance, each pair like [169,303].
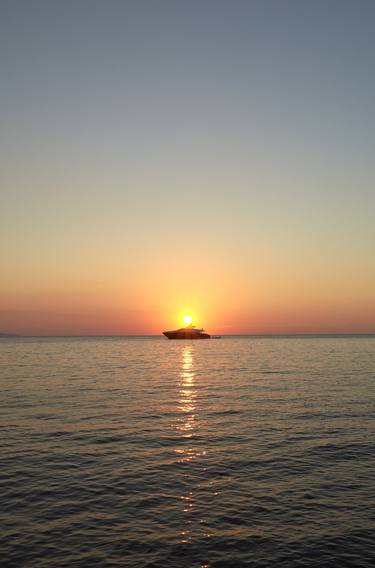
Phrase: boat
[189,332]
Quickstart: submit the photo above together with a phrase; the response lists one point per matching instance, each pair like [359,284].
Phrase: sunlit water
[223,453]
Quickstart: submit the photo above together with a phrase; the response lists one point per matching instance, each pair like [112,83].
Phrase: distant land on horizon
[9,335]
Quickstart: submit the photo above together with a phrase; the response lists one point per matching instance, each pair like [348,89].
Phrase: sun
[187,319]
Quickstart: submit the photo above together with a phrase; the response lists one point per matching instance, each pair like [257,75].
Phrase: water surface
[223,453]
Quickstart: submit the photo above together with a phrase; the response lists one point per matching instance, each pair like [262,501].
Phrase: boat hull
[185,334]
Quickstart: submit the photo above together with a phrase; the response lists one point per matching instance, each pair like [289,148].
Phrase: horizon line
[5,335]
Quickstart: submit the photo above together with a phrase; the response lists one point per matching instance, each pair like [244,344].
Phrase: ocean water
[234,452]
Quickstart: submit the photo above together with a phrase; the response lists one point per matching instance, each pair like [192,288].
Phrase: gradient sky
[208,157]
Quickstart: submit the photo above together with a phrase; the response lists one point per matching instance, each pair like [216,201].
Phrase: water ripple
[149,453]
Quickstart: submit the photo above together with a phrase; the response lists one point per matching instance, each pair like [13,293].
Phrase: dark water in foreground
[222,453]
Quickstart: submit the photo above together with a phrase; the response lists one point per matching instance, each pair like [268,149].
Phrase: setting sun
[188,320]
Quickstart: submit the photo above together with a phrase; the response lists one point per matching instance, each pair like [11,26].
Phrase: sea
[143,452]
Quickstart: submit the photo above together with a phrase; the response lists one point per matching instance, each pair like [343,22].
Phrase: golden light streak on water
[187,424]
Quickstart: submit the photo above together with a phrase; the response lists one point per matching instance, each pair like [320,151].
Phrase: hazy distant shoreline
[9,335]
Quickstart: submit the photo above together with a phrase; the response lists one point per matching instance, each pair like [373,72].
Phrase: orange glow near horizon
[220,293]
[224,310]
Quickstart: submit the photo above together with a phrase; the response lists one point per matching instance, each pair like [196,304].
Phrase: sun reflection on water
[189,450]
[187,421]
[186,425]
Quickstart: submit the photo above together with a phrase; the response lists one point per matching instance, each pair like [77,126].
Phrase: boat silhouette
[189,332]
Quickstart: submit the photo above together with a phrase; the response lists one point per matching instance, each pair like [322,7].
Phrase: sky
[161,158]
